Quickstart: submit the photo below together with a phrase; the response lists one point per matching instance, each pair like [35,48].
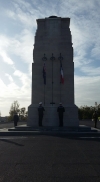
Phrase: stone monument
[53,73]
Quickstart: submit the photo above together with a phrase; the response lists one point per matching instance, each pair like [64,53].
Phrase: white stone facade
[53,36]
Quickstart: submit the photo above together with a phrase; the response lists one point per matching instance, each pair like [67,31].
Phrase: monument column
[53,52]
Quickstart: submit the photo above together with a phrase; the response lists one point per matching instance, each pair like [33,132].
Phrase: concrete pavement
[52,157]
[49,158]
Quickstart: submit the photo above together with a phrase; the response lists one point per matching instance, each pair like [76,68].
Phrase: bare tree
[14,108]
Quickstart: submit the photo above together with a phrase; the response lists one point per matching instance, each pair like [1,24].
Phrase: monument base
[51,118]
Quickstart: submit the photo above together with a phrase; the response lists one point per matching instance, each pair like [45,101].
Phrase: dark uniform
[40,112]
[95,118]
[16,119]
[60,111]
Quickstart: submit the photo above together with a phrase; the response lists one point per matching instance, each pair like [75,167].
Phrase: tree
[86,112]
[23,113]
[26,114]
[14,109]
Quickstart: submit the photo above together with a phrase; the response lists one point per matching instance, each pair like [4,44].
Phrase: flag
[44,74]
[61,74]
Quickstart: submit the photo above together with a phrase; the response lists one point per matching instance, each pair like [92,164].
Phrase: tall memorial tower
[53,73]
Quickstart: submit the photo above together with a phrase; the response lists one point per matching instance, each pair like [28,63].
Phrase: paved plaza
[49,158]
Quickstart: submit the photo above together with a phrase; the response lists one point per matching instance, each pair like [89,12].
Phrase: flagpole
[44,75]
[60,59]
[44,94]
[60,90]
[52,80]
[52,59]
[60,80]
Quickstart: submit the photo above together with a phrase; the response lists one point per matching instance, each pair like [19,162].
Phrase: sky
[17,30]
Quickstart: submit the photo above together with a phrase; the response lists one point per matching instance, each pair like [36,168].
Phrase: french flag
[61,74]
[44,74]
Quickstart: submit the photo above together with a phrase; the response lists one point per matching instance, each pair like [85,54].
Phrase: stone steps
[81,128]
[51,133]
[23,130]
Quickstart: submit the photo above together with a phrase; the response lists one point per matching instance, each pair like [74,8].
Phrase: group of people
[60,111]
[41,110]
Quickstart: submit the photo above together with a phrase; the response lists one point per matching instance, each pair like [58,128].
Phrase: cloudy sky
[17,30]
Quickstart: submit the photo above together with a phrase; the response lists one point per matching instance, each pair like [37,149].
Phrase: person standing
[40,113]
[16,119]
[60,111]
[95,118]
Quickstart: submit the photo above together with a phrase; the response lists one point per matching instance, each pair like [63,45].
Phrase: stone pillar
[53,36]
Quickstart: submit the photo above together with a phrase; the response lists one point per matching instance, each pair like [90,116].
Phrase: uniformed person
[60,111]
[16,119]
[40,112]
[95,118]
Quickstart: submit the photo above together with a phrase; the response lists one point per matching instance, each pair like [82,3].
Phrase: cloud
[4,44]
[91,71]
[25,48]
[12,91]
[95,52]
[87,89]
[11,14]
[23,13]
[6,58]
[9,76]
[25,80]
[21,45]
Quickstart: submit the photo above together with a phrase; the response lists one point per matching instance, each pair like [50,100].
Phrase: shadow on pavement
[8,141]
